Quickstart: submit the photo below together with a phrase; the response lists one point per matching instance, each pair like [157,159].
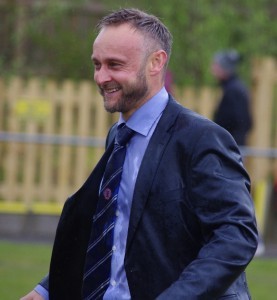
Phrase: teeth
[112,90]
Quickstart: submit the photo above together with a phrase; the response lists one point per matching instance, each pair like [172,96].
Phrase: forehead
[118,39]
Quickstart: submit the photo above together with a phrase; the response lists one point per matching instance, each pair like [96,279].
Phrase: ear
[157,61]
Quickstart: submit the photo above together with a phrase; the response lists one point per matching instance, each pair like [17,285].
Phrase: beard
[132,93]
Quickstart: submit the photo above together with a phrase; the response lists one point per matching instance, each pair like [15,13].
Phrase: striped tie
[99,253]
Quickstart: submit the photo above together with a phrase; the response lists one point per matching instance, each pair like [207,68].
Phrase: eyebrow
[112,58]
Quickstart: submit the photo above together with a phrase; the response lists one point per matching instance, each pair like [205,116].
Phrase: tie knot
[123,135]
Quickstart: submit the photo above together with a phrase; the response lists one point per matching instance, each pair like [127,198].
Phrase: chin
[109,107]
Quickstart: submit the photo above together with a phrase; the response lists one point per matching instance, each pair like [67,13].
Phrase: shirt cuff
[42,291]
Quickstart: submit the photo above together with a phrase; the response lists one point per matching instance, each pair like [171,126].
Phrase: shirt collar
[143,119]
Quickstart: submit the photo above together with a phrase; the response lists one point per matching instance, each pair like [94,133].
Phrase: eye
[96,65]
[114,64]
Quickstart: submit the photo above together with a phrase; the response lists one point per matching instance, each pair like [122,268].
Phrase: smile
[108,91]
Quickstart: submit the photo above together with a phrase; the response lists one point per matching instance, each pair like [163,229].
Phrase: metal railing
[51,139]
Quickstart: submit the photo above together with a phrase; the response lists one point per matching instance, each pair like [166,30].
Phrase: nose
[102,75]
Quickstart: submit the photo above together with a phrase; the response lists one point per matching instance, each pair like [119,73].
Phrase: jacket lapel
[150,164]
[87,195]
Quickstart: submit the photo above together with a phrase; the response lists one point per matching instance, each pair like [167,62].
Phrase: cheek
[124,78]
[96,77]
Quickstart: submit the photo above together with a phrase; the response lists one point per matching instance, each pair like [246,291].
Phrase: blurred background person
[233,111]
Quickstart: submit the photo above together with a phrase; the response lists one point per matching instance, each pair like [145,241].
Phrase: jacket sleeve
[45,282]
[219,197]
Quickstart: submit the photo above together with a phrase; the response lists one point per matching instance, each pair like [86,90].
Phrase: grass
[23,265]
[261,276]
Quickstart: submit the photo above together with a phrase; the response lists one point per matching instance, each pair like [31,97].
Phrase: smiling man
[167,212]
[120,69]
[129,68]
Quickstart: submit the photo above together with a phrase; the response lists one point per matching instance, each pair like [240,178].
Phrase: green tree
[202,27]
[61,40]
[58,34]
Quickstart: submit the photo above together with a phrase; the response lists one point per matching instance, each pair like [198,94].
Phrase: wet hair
[149,25]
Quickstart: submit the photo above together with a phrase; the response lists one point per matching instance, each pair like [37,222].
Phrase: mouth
[109,90]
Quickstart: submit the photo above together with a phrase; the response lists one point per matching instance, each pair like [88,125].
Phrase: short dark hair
[148,24]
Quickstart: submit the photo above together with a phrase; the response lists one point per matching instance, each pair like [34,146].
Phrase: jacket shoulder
[189,117]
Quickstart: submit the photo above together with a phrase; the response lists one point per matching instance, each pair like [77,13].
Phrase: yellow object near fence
[261,200]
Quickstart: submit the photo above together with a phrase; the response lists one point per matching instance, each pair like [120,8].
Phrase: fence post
[264,80]
[10,188]
[186,97]
[207,101]
[50,93]
[2,103]
[262,95]
[30,150]
[101,123]
[82,164]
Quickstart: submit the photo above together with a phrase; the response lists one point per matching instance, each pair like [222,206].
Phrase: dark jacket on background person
[192,228]
[233,112]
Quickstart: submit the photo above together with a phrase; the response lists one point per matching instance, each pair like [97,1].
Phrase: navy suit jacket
[192,228]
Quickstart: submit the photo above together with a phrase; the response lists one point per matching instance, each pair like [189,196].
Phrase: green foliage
[202,27]
[63,47]
[60,35]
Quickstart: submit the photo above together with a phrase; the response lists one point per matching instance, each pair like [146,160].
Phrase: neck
[126,115]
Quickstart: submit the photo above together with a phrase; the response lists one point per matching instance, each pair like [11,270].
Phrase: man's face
[217,71]
[120,63]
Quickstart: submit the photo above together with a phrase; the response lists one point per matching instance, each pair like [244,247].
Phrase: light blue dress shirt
[143,122]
